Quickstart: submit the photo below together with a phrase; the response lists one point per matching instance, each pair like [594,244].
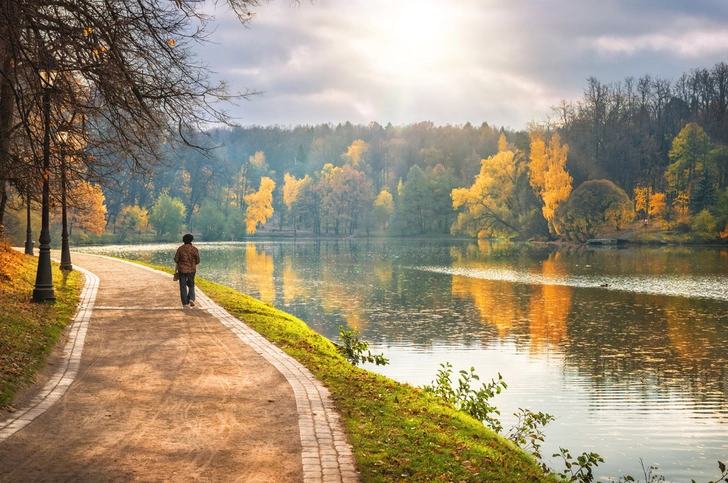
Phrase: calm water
[636,368]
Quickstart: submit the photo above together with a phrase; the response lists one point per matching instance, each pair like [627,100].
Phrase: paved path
[147,391]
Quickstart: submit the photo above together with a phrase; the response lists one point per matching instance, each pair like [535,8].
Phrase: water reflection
[626,347]
[259,268]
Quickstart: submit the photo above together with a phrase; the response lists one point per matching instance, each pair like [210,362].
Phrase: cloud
[696,43]
[504,62]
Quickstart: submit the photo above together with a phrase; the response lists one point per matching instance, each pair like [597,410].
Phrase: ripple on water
[706,286]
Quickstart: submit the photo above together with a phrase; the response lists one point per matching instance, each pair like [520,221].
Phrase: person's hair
[188,238]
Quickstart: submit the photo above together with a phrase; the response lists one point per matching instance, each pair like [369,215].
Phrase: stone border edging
[327,456]
[69,363]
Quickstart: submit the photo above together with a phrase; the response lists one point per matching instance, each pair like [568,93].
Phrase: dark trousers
[187,287]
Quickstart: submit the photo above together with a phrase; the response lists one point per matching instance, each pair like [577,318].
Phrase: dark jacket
[187,258]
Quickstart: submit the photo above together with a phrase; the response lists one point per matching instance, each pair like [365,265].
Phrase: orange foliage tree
[89,211]
[383,208]
[548,176]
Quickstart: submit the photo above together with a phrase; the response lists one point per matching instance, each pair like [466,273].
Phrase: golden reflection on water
[539,311]
[494,301]
[259,273]
[549,309]
[293,286]
[616,335]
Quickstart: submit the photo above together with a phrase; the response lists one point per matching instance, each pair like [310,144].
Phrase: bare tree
[142,85]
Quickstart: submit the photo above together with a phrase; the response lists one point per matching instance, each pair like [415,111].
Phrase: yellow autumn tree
[130,219]
[383,208]
[89,211]
[356,154]
[641,200]
[290,190]
[658,207]
[502,143]
[260,205]
[548,176]
[652,204]
[292,193]
[243,183]
[491,206]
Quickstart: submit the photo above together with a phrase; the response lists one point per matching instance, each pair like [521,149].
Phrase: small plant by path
[466,398]
[357,351]
[579,470]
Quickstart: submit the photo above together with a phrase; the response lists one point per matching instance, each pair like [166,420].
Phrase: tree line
[649,148]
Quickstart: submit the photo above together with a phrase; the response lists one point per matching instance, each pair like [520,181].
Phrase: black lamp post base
[43,294]
[65,252]
[44,277]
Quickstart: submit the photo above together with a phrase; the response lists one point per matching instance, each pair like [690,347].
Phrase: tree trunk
[7,103]
[3,203]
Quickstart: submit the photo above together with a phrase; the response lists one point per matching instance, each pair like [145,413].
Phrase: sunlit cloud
[688,44]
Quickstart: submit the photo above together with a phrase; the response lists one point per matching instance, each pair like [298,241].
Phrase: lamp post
[63,138]
[44,277]
[28,231]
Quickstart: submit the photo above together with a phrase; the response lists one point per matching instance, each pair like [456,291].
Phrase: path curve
[69,363]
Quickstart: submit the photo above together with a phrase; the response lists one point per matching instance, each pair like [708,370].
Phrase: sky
[504,62]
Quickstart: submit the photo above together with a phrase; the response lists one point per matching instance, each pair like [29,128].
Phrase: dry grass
[29,330]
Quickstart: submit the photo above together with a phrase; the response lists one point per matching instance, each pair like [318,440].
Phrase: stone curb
[68,364]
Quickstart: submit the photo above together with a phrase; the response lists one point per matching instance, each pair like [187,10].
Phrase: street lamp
[44,277]
[64,137]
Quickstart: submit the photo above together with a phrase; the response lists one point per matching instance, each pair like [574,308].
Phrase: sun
[410,39]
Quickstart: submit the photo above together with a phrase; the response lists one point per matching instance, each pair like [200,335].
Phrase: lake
[627,348]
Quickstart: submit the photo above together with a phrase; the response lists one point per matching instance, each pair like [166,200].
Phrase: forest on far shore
[641,149]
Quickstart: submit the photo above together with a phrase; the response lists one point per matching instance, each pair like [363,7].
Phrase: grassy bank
[399,433]
[28,330]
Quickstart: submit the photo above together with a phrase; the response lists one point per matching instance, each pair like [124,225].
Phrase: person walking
[187,258]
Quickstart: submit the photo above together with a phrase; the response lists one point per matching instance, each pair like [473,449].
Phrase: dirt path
[162,393]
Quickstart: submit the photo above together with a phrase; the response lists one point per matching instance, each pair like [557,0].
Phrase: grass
[29,330]
[648,238]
